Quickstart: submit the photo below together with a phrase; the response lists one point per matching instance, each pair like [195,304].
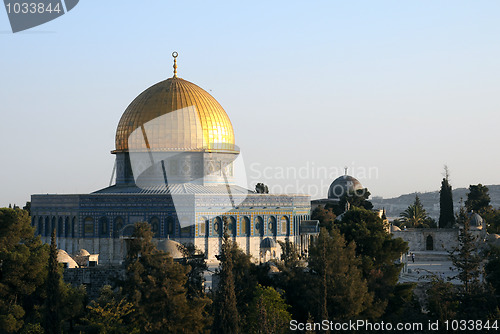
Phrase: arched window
[155,226]
[202,225]
[170,225]
[47,227]
[231,226]
[103,226]
[259,226]
[52,225]
[118,226]
[67,228]
[186,226]
[244,226]
[73,228]
[40,225]
[60,227]
[217,226]
[271,225]
[88,227]
[284,225]
[429,243]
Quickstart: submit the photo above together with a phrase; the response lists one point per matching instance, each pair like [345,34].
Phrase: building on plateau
[175,169]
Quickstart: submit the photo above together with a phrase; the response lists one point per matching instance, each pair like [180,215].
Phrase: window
[118,226]
[155,226]
[170,225]
[284,225]
[244,225]
[60,227]
[272,225]
[103,225]
[202,225]
[73,227]
[259,227]
[67,228]
[88,227]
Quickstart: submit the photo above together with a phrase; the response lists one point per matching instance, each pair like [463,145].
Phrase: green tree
[52,322]
[492,270]
[225,311]
[341,290]
[194,259]
[325,215]
[415,215]
[268,312]
[110,314]
[294,278]
[446,214]
[261,188]
[442,301]
[155,285]
[492,217]
[23,260]
[379,253]
[478,199]
[465,257]
[358,199]
[477,299]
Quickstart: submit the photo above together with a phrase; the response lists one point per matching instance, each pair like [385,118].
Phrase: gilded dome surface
[175,115]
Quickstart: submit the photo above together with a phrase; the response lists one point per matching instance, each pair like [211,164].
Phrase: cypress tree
[52,319]
[465,257]
[226,317]
[446,215]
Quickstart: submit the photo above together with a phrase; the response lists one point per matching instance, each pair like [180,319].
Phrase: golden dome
[175,115]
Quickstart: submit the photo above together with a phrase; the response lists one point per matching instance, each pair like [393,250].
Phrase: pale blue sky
[401,87]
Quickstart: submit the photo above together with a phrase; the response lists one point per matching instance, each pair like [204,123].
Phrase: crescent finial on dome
[175,54]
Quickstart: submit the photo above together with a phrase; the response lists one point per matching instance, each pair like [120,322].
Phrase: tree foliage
[23,260]
[446,214]
[268,312]
[415,215]
[379,253]
[225,311]
[52,323]
[261,188]
[478,199]
[341,290]
[156,287]
[325,215]
[465,257]
[110,313]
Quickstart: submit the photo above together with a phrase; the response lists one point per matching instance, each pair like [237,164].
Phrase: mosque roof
[180,188]
[342,185]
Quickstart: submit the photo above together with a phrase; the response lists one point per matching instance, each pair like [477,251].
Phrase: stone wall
[94,278]
[422,239]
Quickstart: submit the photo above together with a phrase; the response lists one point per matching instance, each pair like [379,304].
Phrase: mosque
[176,166]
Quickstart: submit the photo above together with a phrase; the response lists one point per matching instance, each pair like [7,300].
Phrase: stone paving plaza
[428,263]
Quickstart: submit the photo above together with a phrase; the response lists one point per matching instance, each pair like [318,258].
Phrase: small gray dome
[171,247]
[342,185]
[82,252]
[268,243]
[476,221]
